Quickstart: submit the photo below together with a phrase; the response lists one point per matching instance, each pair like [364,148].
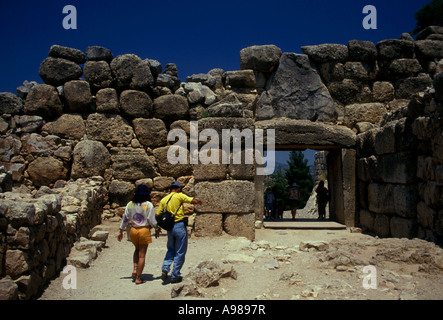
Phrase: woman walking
[140,212]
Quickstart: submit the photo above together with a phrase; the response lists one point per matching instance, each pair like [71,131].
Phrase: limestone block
[425,215]
[231,196]
[406,199]
[261,58]
[43,100]
[130,72]
[240,225]
[382,225]
[400,167]
[78,96]
[296,91]
[57,71]
[108,128]
[107,101]
[132,164]
[303,132]
[208,225]
[66,126]
[90,158]
[98,74]
[403,228]
[368,112]
[168,169]
[367,220]
[381,198]
[150,132]
[136,104]
[47,170]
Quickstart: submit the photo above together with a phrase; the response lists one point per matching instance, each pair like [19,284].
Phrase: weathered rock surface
[132,164]
[261,58]
[78,96]
[150,132]
[296,91]
[108,128]
[171,108]
[136,104]
[232,196]
[68,125]
[10,103]
[57,71]
[296,132]
[90,158]
[43,100]
[130,72]
[47,170]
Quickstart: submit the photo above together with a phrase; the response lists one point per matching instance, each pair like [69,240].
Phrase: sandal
[133,276]
[139,281]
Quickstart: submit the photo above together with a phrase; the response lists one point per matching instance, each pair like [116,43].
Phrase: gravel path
[274,266]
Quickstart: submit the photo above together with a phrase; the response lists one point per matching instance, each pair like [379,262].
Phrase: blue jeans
[177,247]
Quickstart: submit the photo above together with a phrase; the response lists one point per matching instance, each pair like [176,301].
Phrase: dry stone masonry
[73,148]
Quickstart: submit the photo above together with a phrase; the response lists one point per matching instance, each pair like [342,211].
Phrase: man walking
[178,236]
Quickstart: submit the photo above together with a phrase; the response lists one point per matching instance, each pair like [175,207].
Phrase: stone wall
[38,231]
[97,115]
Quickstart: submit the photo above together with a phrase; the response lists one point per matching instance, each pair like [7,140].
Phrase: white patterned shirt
[140,214]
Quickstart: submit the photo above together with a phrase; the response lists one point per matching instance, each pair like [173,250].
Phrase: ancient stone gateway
[340,142]
[72,149]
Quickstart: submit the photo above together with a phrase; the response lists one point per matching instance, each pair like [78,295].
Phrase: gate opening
[334,166]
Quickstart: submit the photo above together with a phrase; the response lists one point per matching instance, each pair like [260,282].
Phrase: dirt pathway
[274,266]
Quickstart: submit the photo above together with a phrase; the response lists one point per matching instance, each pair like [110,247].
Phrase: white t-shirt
[140,214]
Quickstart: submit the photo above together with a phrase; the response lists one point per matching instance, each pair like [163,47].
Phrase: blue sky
[196,35]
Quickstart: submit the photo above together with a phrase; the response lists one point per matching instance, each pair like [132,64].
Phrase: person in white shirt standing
[140,212]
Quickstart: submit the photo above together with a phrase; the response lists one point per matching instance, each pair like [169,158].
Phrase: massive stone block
[132,164]
[171,107]
[150,132]
[261,58]
[231,196]
[296,91]
[169,169]
[78,96]
[364,112]
[208,225]
[303,132]
[57,71]
[240,225]
[381,198]
[67,126]
[43,100]
[136,104]
[91,158]
[46,170]
[108,128]
[130,72]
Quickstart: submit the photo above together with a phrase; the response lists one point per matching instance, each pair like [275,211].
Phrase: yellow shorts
[140,236]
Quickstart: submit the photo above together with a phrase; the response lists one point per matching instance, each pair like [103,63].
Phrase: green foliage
[282,179]
[279,185]
[430,15]
[299,173]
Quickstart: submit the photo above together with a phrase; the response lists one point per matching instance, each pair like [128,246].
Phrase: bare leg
[142,249]
[135,261]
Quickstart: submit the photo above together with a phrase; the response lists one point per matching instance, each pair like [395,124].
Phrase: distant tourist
[269,203]
[140,212]
[322,199]
[178,236]
[294,197]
